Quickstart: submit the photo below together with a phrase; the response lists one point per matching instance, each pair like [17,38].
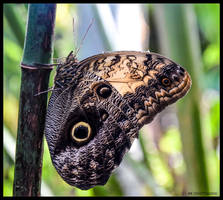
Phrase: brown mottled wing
[137,76]
[113,95]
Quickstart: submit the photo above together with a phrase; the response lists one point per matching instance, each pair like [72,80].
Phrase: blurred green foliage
[208,16]
[164,162]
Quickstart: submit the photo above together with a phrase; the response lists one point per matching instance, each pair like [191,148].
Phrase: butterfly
[98,106]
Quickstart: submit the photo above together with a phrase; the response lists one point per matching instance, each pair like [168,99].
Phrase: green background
[168,164]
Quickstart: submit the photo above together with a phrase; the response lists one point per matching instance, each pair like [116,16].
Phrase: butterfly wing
[138,77]
[93,120]
[89,127]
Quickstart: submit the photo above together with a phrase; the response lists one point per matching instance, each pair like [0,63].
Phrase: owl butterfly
[98,106]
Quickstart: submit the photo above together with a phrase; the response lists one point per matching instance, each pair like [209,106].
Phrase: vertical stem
[32,109]
[180,41]
[14,23]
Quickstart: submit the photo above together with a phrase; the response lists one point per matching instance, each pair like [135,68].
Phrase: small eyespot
[104,91]
[81,132]
[103,114]
[166,81]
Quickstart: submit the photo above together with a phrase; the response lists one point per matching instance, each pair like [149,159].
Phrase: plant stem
[179,40]
[32,109]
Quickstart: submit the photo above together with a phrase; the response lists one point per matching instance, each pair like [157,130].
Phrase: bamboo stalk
[29,148]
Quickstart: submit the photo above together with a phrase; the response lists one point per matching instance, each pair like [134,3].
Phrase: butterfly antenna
[50,89]
[82,40]
[39,93]
[75,43]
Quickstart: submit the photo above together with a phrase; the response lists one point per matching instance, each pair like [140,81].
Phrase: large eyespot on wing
[70,132]
[88,138]
[81,132]
[88,132]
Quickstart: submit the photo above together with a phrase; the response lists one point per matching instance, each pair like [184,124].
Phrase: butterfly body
[101,104]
